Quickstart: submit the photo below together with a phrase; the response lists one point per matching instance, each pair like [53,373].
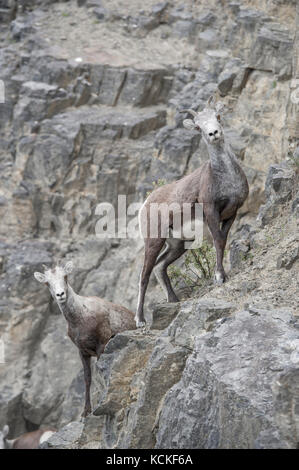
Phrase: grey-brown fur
[219,184]
[92,321]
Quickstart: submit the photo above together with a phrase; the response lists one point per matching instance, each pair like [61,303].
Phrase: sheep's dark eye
[218,117]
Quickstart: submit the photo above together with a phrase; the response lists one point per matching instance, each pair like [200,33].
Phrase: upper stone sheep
[220,185]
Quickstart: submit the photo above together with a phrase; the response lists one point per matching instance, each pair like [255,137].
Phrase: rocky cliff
[92,90]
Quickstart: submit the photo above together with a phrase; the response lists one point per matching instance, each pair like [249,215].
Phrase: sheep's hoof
[140,324]
[85,413]
[219,278]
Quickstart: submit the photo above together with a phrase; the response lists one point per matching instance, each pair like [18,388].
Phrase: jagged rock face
[278,189]
[225,392]
[234,386]
[92,91]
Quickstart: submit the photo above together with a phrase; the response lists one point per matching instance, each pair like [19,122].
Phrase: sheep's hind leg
[175,248]
[152,249]
[87,377]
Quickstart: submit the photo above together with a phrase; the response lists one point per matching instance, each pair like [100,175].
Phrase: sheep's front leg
[87,377]
[219,235]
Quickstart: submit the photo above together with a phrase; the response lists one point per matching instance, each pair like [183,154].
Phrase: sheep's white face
[208,123]
[56,280]
[3,436]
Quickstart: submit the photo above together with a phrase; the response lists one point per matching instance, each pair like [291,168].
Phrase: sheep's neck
[223,160]
[72,308]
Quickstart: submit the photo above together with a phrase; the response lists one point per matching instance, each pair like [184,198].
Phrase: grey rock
[163,314]
[196,93]
[147,23]
[178,14]
[65,437]
[185,28]
[241,79]
[229,377]
[20,263]
[234,6]
[295,206]
[270,439]
[249,16]
[286,395]
[228,76]
[159,9]
[101,13]
[113,85]
[8,9]
[239,252]
[287,259]
[196,316]
[145,88]
[46,388]
[39,101]
[206,18]
[19,29]
[272,50]
[93,3]
[175,148]
[41,90]
[163,370]
[55,147]
[161,359]
[209,37]
[240,247]
[238,144]
[278,190]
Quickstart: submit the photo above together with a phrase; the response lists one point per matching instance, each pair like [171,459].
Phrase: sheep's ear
[40,277]
[68,267]
[211,101]
[5,430]
[189,124]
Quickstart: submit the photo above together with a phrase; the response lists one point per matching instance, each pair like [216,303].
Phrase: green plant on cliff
[197,269]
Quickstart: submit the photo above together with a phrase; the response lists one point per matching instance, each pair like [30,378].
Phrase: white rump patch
[44,437]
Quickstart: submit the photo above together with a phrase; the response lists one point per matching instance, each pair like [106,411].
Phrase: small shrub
[197,270]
